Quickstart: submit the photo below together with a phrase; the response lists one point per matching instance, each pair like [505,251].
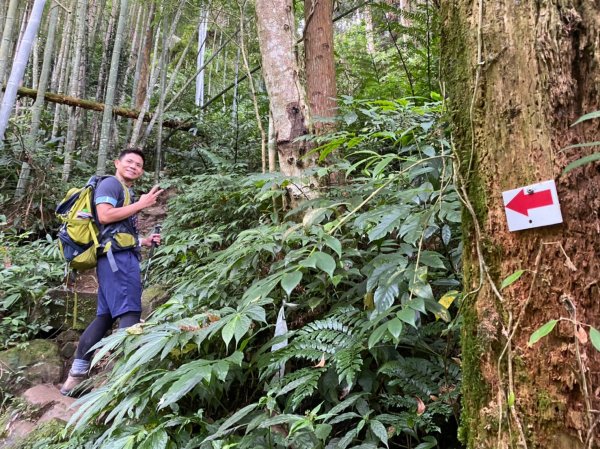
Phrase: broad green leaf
[325,262]
[432,259]
[158,439]
[417,304]
[379,430]
[377,335]
[388,223]
[188,380]
[289,281]
[385,296]
[446,234]
[350,117]
[422,290]
[408,316]
[541,332]
[314,216]
[322,431]
[221,368]
[595,338]
[229,329]
[256,313]
[395,328]
[262,288]
[10,300]
[511,279]
[333,243]
[583,161]
[241,327]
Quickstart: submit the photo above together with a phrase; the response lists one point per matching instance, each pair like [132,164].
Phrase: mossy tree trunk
[517,75]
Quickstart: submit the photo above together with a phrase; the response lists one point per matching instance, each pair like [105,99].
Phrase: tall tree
[275,21]
[74,84]
[111,85]
[19,64]
[36,110]
[6,43]
[202,34]
[141,84]
[319,63]
[61,68]
[518,74]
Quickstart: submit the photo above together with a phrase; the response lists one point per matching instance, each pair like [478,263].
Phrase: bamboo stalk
[36,110]
[6,41]
[111,85]
[19,64]
[73,89]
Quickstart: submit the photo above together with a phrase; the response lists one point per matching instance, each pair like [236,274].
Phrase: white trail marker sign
[532,206]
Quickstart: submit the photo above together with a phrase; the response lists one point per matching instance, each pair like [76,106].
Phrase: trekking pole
[157,230]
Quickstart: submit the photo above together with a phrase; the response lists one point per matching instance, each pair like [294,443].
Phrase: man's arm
[107,213]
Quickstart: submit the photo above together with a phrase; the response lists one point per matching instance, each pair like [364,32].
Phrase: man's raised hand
[149,199]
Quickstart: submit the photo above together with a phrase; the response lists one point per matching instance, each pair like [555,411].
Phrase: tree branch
[95,106]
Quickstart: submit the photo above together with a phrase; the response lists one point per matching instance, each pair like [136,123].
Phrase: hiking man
[118,269]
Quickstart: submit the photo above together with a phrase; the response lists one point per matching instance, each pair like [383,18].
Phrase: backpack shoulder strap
[126,194]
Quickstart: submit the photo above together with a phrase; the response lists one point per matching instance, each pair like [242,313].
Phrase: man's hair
[127,151]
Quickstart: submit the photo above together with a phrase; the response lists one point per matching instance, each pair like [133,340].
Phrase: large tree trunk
[276,38]
[319,62]
[518,75]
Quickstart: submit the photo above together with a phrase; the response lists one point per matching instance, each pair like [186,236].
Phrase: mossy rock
[71,309]
[40,436]
[35,362]
[153,297]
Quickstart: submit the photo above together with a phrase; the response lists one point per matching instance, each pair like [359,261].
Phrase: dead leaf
[581,335]
[188,328]
[369,301]
[212,318]
[433,397]
[136,329]
[420,406]
[321,363]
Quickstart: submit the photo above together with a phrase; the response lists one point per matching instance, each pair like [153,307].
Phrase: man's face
[130,167]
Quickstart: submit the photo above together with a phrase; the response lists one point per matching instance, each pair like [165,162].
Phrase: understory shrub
[330,326]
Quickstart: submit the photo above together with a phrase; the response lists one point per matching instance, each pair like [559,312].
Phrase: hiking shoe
[73,380]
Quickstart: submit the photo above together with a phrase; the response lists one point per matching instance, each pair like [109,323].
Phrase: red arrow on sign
[521,202]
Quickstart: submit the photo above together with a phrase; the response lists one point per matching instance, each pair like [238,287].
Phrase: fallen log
[95,106]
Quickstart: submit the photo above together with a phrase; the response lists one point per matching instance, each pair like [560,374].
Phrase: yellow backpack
[78,236]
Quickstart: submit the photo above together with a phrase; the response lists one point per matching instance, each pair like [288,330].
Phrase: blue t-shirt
[111,191]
